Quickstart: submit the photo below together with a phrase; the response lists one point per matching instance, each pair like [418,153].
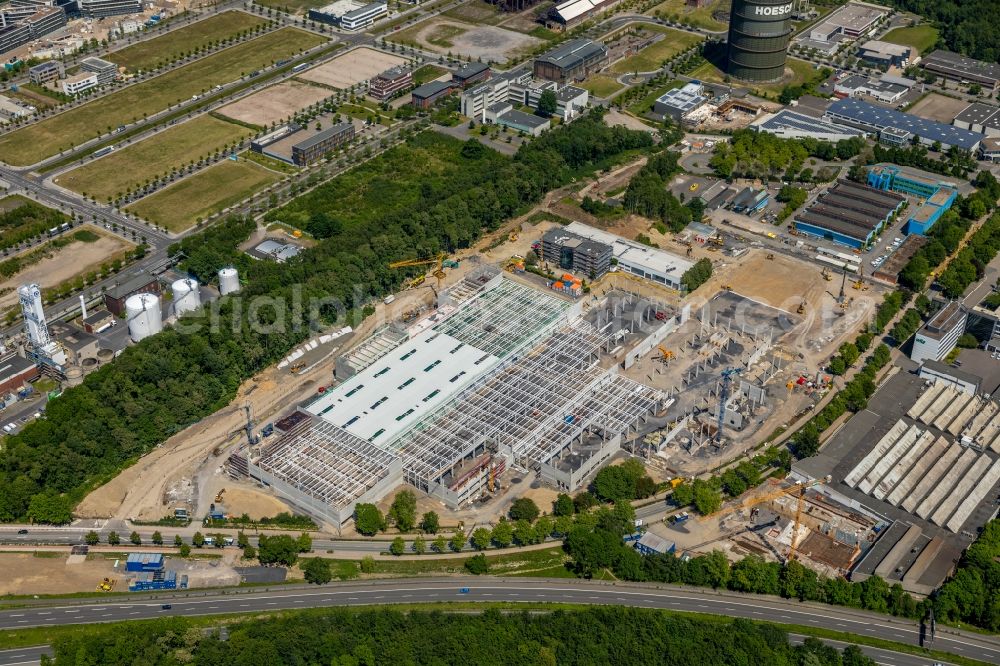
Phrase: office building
[570,252]
[390,83]
[940,335]
[106,71]
[425,96]
[102,8]
[318,145]
[45,72]
[573,61]
[679,102]
[965,70]
[849,214]
[650,263]
[506,87]
[897,128]
[21,23]
[349,14]
[519,121]
[570,100]
[885,54]
[790,124]
[979,117]
[936,196]
[76,84]
[857,85]
[471,74]
[14,36]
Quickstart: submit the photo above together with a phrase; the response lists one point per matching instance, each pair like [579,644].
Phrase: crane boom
[727,378]
[438,261]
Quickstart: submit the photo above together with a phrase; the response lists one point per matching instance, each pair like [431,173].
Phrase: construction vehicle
[726,287]
[513,236]
[106,585]
[295,367]
[717,240]
[802,308]
[676,481]
[218,496]
[860,282]
[438,262]
[826,275]
[770,256]
[690,251]
[665,354]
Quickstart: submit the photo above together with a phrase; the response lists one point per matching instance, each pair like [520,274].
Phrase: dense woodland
[597,636]
[753,154]
[972,595]
[967,27]
[169,381]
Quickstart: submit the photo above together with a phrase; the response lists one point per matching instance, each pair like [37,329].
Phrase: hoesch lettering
[777,10]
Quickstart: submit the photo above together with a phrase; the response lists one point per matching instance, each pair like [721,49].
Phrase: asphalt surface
[193,603]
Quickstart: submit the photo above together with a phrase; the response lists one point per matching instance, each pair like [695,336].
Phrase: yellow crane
[665,354]
[438,262]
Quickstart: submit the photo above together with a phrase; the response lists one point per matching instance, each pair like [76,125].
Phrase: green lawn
[427,73]
[113,174]
[802,71]
[147,54]
[921,37]
[651,58]
[293,6]
[179,206]
[700,17]
[601,86]
[544,562]
[645,104]
[66,130]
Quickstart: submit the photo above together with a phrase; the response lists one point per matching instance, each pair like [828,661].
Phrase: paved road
[487,589]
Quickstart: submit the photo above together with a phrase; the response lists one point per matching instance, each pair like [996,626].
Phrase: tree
[318,571]
[524,508]
[178,541]
[524,533]
[440,544]
[198,540]
[92,538]
[280,549]
[481,538]
[967,341]
[398,546]
[563,506]
[113,538]
[304,543]
[185,550]
[706,498]
[419,545]
[242,540]
[697,275]
[430,523]
[477,565]
[502,534]
[457,541]
[249,552]
[367,564]
[403,511]
[368,519]
[135,538]
[157,539]
[584,501]
[547,103]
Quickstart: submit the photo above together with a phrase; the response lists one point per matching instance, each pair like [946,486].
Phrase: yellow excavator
[218,495]
[106,585]
[826,275]
[439,263]
[665,354]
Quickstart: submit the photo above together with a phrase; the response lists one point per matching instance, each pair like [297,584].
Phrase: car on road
[166,607]
[22,531]
[464,590]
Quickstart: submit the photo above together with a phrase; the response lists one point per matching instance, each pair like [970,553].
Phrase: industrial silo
[142,311]
[229,281]
[187,297]
[759,31]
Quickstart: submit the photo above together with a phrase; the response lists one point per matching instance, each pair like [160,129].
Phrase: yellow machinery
[665,354]
[513,236]
[676,481]
[770,256]
[717,240]
[218,496]
[106,585]
[860,282]
[438,272]
[826,275]
[726,287]
[802,308]
[295,367]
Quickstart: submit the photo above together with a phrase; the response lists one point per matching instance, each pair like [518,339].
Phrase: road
[486,589]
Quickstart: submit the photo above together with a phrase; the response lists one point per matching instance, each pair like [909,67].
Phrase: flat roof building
[679,102]
[274,250]
[940,334]
[143,283]
[897,128]
[44,72]
[350,14]
[989,149]
[15,371]
[650,263]
[78,83]
[425,96]
[848,213]
[321,143]
[106,71]
[471,73]
[937,195]
[979,117]
[573,61]
[389,83]
[574,12]
[749,201]
[103,8]
[885,53]
[793,125]
[570,252]
[528,123]
[959,68]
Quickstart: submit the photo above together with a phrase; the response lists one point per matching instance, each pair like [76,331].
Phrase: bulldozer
[106,585]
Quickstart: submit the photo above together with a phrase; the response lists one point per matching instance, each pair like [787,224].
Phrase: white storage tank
[142,311]
[187,297]
[229,281]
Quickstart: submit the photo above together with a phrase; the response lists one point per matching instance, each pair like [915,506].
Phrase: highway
[488,589]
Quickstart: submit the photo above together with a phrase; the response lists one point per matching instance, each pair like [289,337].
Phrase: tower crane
[727,378]
[439,262]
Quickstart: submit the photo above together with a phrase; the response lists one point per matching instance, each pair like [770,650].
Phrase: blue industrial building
[157,580]
[144,562]
[654,544]
[899,129]
[749,201]
[937,196]
[849,214]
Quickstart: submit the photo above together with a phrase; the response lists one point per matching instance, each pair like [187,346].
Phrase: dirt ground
[938,107]
[64,264]
[240,499]
[351,68]
[471,41]
[275,104]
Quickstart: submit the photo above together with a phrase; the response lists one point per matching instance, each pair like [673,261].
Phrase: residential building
[573,12]
[76,84]
[390,83]
[750,201]
[679,102]
[790,124]
[106,71]
[102,8]
[44,72]
[470,74]
[321,143]
[849,213]
[979,117]
[588,258]
[885,54]
[573,61]
[965,70]
[940,335]
[114,298]
[897,128]
[425,96]
[528,123]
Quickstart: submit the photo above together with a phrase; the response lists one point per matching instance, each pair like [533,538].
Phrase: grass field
[61,132]
[293,6]
[651,58]
[700,17]
[427,73]
[217,187]
[161,49]
[113,174]
[601,86]
[802,71]
[645,104]
[921,37]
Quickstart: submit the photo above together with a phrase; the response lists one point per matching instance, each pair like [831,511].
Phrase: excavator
[802,308]
[665,354]
[295,367]
[826,275]
[440,263]
[106,585]
[218,495]
[860,282]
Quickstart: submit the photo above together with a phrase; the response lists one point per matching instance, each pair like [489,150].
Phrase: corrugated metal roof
[865,114]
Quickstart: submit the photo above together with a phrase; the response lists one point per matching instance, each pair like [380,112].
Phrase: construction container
[144,562]
[154,580]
